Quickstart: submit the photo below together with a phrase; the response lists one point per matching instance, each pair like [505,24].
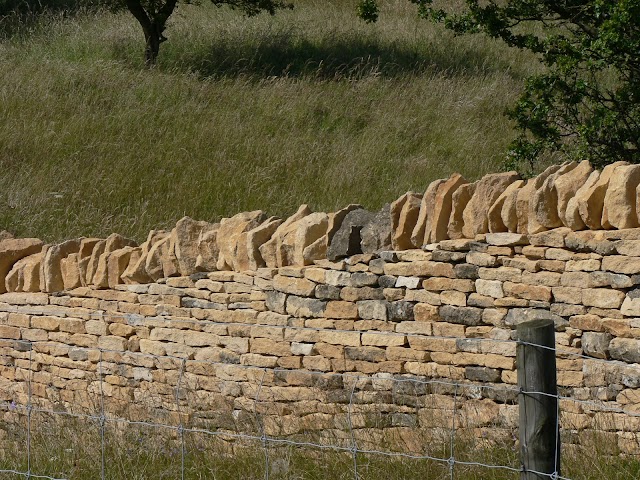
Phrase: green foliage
[586,104]
[368,10]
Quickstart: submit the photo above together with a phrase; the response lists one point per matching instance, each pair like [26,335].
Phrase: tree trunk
[153,39]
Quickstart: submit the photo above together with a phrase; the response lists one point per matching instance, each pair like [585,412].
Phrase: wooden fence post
[539,423]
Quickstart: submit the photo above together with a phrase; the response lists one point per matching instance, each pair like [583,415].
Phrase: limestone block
[524,196]
[460,199]
[136,271]
[12,250]
[187,235]
[423,223]
[404,215]
[495,214]
[347,239]
[596,344]
[438,221]
[625,349]
[567,186]
[70,271]
[255,238]
[268,250]
[311,239]
[543,205]
[25,275]
[87,245]
[228,235]
[591,201]
[295,286]
[50,271]
[619,209]
[161,261]
[489,288]
[117,263]
[376,235]
[487,191]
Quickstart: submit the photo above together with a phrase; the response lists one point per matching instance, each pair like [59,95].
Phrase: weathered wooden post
[539,423]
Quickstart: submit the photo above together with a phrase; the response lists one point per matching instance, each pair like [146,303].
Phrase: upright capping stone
[488,189]
[376,234]
[256,237]
[15,280]
[543,206]
[161,260]
[421,231]
[187,234]
[460,200]
[70,269]
[113,243]
[136,271]
[572,218]
[509,212]
[268,249]
[591,202]
[310,241]
[228,235]
[495,215]
[347,240]
[87,245]
[619,209]
[567,185]
[438,221]
[404,215]
[12,250]
[524,196]
[208,252]
[50,271]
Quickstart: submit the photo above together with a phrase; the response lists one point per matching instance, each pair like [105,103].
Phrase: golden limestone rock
[568,185]
[113,242]
[591,201]
[136,271]
[87,245]
[404,214]
[70,271]
[543,205]
[291,245]
[117,263]
[50,270]
[25,275]
[12,250]
[268,249]
[186,237]
[247,256]
[509,212]
[495,215]
[229,232]
[438,219]
[426,207]
[488,189]
[572,218]
[161,261]
[208,251]
[524,196]
[619,209]
[459,202]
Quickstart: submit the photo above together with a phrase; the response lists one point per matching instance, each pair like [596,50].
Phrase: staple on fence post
[538,399]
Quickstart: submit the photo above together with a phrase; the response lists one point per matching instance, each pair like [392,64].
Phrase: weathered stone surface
[469,316]
[12,250]
[591,201]
[376,235]
[543,205]
[621,264]
[438,220]
[517,316]
[228,235]
[506,239]
[25,274]
[292,244]
[50,272]
[572,218]
[487,191]
[596,344]
[494,216]
[619,209]
[423,224]
[160,262]
[524,197]
[406,210]
[257,237]
[70,271]
[372,309]
[566,188]
[187,234]
[625,349]
[87,246]
[117,263]
[305,307]
[347,240]
[460,200]
[136,272]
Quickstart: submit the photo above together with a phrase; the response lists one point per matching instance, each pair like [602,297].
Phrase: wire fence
[372,422]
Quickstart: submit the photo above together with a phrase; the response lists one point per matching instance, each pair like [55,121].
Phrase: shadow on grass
[335,56]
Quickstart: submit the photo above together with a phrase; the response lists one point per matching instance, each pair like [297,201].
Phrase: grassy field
[309,106]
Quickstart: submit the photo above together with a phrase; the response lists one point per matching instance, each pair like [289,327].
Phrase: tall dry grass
[309,106]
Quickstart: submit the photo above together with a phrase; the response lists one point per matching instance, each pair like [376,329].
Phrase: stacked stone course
[255,301]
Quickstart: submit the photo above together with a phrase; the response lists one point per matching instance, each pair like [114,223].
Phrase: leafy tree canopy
[586,102]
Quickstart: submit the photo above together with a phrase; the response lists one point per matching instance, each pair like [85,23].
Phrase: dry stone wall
[307,307]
